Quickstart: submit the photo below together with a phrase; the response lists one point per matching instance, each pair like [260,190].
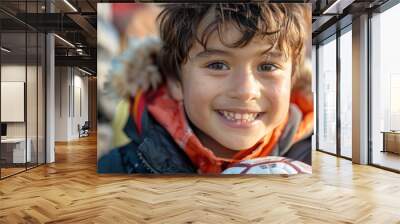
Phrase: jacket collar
[170,114]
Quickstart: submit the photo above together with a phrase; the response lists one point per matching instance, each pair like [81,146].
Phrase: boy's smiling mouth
[240,118]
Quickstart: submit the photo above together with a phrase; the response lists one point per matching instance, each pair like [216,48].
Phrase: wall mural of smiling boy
[220,89]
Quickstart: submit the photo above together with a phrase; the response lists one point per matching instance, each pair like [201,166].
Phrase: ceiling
[330,15]
[77,25]
[76,22]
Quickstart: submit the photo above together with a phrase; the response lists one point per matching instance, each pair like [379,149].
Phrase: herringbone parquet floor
[70,191]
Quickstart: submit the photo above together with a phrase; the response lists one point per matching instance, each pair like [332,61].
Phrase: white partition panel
[12,101]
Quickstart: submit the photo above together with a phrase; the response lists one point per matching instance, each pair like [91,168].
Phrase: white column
[360,90]
[50,93]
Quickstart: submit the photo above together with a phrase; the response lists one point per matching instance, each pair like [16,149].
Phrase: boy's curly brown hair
[286,25]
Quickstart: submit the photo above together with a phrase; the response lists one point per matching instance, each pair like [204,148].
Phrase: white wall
[71,94]
[12,73]
[61,103]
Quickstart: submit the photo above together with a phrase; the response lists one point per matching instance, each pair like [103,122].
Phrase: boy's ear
[175,89]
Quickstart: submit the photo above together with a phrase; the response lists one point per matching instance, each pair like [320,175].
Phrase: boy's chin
[239,146]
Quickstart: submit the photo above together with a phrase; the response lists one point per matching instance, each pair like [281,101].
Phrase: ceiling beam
[82,61]
[320,22]
[337,7]
[84,24]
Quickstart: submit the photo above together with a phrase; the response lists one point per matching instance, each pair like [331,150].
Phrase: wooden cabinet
[391,141]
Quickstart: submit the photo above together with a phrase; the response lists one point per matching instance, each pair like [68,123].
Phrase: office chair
[84,130]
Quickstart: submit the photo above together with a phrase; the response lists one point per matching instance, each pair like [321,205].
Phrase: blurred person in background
[135,21]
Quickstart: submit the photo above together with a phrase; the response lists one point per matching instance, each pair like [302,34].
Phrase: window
[385,86]
[346,92]
[327,96]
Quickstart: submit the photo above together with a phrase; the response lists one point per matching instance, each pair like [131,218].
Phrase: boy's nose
[244,86]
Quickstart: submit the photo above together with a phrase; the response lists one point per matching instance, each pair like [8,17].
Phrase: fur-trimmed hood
[139,67]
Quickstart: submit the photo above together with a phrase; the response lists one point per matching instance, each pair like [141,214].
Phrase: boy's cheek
[278,89]
[279,98]
[202,84]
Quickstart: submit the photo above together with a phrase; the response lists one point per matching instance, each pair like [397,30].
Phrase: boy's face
[235,96]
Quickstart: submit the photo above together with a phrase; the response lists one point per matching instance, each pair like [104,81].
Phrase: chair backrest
[86,125]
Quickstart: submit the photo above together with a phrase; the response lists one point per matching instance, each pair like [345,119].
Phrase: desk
[15,148]
[391,141]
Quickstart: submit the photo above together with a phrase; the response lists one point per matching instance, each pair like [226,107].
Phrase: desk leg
[384,142]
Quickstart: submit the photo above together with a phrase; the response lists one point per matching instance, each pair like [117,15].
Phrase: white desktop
[18,148]
[16,145]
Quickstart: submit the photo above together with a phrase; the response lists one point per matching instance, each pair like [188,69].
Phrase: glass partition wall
[345,61]
[13,110]
[385,89]
[22,87]
[334,88]
[327,95]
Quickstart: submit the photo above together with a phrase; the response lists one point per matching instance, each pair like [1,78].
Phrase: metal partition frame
[339,32]
[44,75]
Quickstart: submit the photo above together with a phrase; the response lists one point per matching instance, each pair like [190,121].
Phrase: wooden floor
[387,159]
[70,191]
[10,171]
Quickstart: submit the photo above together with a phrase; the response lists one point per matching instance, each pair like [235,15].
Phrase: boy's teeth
[239,117]
[226,114]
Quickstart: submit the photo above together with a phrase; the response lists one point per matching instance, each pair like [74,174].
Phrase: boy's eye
[218,66]
[266,67]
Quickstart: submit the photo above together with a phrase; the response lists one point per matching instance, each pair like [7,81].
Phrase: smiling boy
[225,95]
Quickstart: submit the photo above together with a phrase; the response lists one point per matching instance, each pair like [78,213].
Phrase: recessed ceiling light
[64,40]
[337,7]
[5,49]
[70,5]
[84,71]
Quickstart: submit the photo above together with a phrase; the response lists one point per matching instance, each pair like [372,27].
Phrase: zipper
[146,164]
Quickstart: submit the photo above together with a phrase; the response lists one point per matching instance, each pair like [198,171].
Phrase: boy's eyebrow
[208,52]
[272,53]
